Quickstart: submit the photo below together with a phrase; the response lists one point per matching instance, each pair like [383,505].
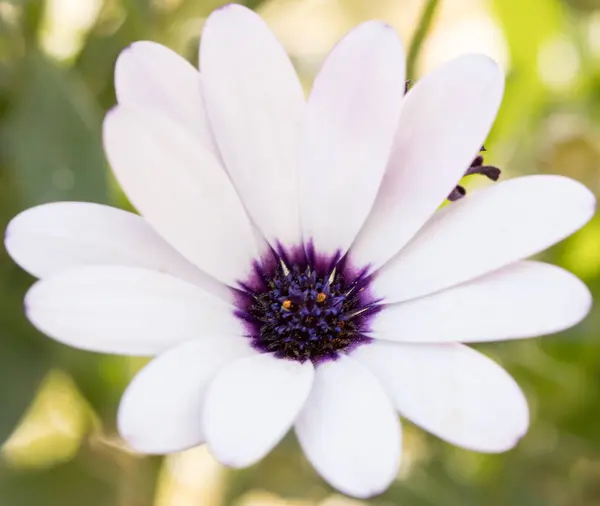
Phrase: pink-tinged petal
[126,311]
[444,120]
[151,76]
[51,238]
[525,299]
[485,231]
[452,391]
[255,104]
[180,188]
[161,409]
[351,119]
[349,431]
[250,406]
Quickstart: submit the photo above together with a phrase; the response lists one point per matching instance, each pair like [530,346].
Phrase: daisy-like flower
[289,267]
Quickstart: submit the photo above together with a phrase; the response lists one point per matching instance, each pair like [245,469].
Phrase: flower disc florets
[299,314]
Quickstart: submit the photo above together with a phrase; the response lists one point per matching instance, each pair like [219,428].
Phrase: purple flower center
[301,312]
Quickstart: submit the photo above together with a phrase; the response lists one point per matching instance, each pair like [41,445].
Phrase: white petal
[250,406]
[255,104]
[484,231]
[444,121]
[179,187]
[525,299]
[452,391]
[126,310]
[53,237]
[151,76]
[161,410]
[351,119]
[349,431]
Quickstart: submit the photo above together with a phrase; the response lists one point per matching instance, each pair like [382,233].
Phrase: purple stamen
[303,312]
[476,167]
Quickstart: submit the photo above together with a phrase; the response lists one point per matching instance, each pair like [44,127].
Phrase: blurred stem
[33,14]
[419,36]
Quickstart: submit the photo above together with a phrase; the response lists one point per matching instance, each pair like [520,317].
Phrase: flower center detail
[300,315]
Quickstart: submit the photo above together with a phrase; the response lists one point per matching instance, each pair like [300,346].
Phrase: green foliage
[23,354]
[89,478]
[52,132]
[51,111]
[525,92]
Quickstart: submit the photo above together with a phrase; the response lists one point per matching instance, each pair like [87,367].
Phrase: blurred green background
[57,405]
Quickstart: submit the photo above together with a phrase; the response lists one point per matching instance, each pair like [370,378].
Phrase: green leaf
[51,151]
[52,136]
[93,478]
[25,356]
[69,484]
[525,93]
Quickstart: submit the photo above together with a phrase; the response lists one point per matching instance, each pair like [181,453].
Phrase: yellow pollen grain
[321,297]
[287,304]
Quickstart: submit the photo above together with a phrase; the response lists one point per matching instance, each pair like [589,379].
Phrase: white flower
[232,170]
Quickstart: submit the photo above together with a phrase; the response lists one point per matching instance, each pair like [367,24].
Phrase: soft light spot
[476,34]
[558,62]
[581,257]
[65,25]
[53,426]
[326,21]
[338,500]
[191,478]
[593,30]
[321,297]
[262,498]
[414,451]
[9,13]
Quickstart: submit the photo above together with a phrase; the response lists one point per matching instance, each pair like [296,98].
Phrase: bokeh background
[57,405]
